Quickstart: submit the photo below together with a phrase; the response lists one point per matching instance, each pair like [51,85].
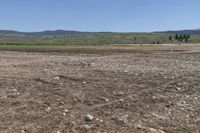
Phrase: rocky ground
[150,89]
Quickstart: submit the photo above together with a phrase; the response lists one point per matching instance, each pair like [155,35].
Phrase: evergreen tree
[188,36]
[186,39]
[180,38]
[170,37]
[184,36]
[176,37]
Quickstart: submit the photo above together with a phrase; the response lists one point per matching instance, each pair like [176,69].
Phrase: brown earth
[150,89]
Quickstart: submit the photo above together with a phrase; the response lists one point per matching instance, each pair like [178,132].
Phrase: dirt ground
[150,89]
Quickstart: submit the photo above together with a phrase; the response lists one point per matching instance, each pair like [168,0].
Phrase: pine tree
[170,37]
[180,38]
[184,36]
[176,37]
[188,36]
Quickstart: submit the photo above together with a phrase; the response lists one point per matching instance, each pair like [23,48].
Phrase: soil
[147,89]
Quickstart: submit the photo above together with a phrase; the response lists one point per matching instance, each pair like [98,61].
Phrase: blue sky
[99,15]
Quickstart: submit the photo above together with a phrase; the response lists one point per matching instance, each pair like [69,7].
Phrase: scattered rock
[153,130]
[154,97]
[125,71]
[86,127]
[178,88]
[105,99]
[121,119]
[58,132]
[23,131]
[121,100]
[84,82]
[89,118]
[4,97]
[120,93]
[17,93]
[138,126]
[48,109]
[159,116]
[99,119]
[14,90]
[57,78]
[66,110]
[64,114]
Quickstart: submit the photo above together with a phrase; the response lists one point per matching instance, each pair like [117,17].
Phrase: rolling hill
[68,37]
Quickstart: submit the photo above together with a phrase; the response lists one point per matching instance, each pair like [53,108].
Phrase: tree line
[180,37]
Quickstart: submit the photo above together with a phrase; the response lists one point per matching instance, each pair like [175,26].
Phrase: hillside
[87,38]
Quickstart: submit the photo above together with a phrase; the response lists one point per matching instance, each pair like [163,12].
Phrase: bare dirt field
[147,89]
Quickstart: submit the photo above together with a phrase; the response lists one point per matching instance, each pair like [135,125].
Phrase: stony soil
[150,89]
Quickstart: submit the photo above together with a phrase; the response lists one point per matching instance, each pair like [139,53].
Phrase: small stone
[86,127]
[57,78]
[139,126]
[121,119]
[99,119]
[48,109]
[126,71]
[66,110]
[14,90]
[4,97]
[23,131]
[64,114]
[152,130]
[178,88]
[121,100]
[89,118]
[120,93]
[84,82]
[58,132]
[106,100]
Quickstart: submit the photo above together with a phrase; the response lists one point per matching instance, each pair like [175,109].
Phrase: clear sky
[99,15]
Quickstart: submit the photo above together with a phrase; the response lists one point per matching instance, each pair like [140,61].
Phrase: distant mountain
[192,32]
[9,32]
[48,32]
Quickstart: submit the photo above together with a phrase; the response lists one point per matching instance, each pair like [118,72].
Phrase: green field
[93,39]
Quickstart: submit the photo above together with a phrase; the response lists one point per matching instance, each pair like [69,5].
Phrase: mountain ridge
[46,32]
[74,32]
[192,31]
